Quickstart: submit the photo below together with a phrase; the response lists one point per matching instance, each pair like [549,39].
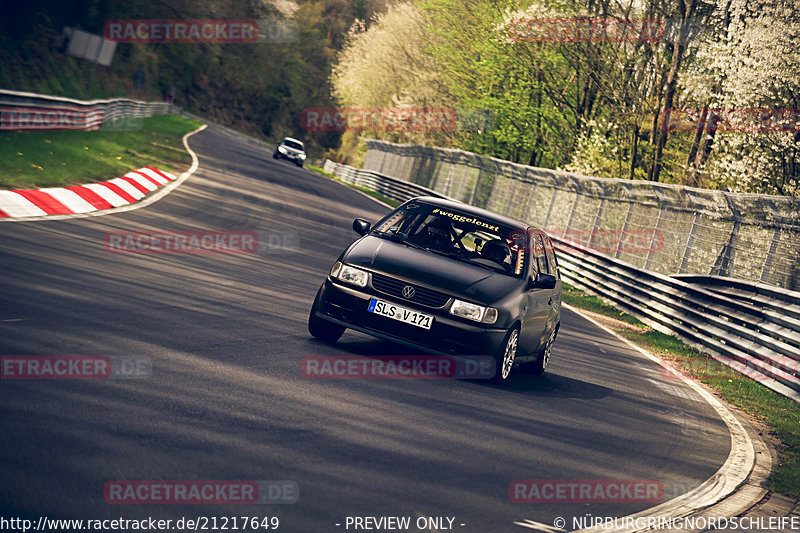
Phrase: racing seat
[496,250]
[437,235]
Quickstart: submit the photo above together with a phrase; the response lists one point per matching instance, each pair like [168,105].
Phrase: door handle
[550,301]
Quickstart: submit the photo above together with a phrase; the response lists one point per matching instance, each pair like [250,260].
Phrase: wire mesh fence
[665,228]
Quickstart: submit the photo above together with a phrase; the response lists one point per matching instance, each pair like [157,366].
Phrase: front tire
[322,329]
[505,356]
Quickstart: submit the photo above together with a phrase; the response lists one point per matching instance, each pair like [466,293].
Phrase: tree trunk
[691,167]
[679,46]
[634,147]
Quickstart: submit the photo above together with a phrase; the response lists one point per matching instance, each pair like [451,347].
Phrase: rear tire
[538,367]
[323,329]
[505,356]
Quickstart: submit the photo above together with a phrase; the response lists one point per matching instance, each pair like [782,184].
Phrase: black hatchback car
[449,279]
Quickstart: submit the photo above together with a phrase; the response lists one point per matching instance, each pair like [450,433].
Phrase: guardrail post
[531,194]
[625,226]
[477,184]
[773,247]
[597,218]
[449,180]
[383,159]
[724,262]
[572,211]
[463,182]
[550,209]
[690,243]
[514,184]
[655,234]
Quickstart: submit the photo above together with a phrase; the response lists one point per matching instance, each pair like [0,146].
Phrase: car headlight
[349,274]
[478,313]
[302,156]
[282,149]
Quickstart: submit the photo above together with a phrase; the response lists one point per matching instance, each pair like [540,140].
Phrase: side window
[530,249]
[539,255]
[551,256]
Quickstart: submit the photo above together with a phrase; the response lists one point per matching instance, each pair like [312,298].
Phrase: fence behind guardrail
[670,229]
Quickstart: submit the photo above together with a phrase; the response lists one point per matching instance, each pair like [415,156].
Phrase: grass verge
[61,158]
[779,414]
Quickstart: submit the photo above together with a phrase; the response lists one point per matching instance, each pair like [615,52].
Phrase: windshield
[469,238]
[293,145]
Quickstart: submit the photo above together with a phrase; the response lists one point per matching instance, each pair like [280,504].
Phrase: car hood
[429,269]
[292,151]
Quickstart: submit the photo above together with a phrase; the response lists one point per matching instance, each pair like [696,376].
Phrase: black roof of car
[472,210]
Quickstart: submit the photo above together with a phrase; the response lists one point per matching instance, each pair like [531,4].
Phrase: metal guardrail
[761,342]
[113,109]
[388,186]
[109,110]
[771,299]
[751,327]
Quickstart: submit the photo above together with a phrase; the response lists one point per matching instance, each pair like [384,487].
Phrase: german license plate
[401,314]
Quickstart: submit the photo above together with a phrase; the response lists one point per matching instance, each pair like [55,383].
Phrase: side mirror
[542,281]
[361,226]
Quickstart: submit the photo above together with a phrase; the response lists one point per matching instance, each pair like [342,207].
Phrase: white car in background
[291,150]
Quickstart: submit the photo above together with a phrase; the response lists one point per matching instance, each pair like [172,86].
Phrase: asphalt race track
[226,399]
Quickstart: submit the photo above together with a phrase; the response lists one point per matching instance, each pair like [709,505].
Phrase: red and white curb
[112,196]
[126,190]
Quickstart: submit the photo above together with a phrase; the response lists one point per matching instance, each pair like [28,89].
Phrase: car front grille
[422,296]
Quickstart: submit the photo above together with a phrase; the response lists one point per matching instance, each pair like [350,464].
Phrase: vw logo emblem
[408,292]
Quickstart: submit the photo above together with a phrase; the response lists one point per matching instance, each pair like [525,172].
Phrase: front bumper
[289,157]
[347,306]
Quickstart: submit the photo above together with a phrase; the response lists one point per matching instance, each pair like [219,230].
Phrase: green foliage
[259,88]
[589,105]
[63,158]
